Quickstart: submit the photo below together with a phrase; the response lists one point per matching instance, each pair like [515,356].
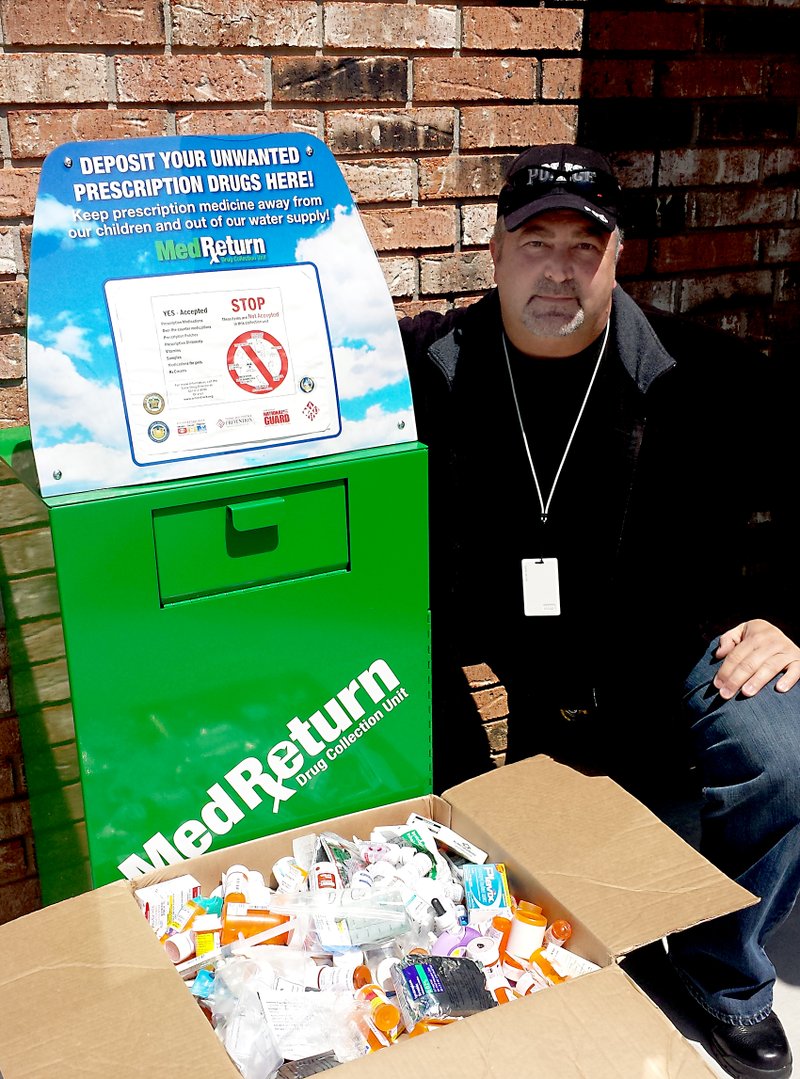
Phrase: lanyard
[544,507]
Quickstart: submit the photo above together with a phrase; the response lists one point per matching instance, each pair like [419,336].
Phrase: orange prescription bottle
[527,930]
[247,919]
[372,1036]
[181,920]
[206,930]
[499,930]
[499,987]
[527,985]
[540,966]
[426,1025]
[512,968]
[235,884]
[384,1014]
[558,932]
[344,977]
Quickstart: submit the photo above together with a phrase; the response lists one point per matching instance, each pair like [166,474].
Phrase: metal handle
[248,516]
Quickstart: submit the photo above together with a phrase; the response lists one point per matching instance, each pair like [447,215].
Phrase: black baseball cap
[559,177]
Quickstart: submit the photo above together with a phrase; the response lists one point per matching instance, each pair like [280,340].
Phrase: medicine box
[86,988]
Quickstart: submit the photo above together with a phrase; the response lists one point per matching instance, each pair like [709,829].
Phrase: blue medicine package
[439,987]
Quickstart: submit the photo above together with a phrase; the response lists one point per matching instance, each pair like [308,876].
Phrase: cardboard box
[87,990]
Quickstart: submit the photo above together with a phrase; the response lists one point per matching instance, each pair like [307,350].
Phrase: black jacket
[674,507]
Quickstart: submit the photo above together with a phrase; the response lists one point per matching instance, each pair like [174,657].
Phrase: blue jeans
[748,756]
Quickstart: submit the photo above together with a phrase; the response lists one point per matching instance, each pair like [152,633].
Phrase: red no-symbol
[257,362]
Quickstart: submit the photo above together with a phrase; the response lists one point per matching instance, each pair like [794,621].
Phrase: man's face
[555,276]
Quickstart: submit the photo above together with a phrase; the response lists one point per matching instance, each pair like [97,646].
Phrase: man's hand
[754,652]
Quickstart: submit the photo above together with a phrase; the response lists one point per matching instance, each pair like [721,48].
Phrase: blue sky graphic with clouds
[77,416]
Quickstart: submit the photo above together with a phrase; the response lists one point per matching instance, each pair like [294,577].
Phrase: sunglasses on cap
[532,182]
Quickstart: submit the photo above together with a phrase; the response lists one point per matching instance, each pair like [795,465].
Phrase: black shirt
[581,527]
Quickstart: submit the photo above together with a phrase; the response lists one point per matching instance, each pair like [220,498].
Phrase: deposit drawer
[231,544]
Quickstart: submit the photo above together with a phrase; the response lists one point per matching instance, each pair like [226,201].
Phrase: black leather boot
[757,1051]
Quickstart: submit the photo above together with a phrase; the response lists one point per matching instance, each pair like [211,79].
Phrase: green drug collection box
[223,434]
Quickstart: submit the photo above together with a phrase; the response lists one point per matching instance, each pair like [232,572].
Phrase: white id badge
[540,586]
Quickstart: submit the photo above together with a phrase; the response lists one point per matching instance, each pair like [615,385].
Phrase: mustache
[545,287]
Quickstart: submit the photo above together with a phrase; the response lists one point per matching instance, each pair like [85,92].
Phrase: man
[608,504]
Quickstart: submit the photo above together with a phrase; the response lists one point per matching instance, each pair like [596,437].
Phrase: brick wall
[698,104]
[31,632]
[424,104]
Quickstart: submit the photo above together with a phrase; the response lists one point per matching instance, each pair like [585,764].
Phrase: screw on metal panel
[309,151]
[67,162]
[57,474]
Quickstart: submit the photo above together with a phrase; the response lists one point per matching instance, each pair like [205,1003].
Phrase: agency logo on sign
[276,415]
[192,427]
[158,431]
[234,421]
